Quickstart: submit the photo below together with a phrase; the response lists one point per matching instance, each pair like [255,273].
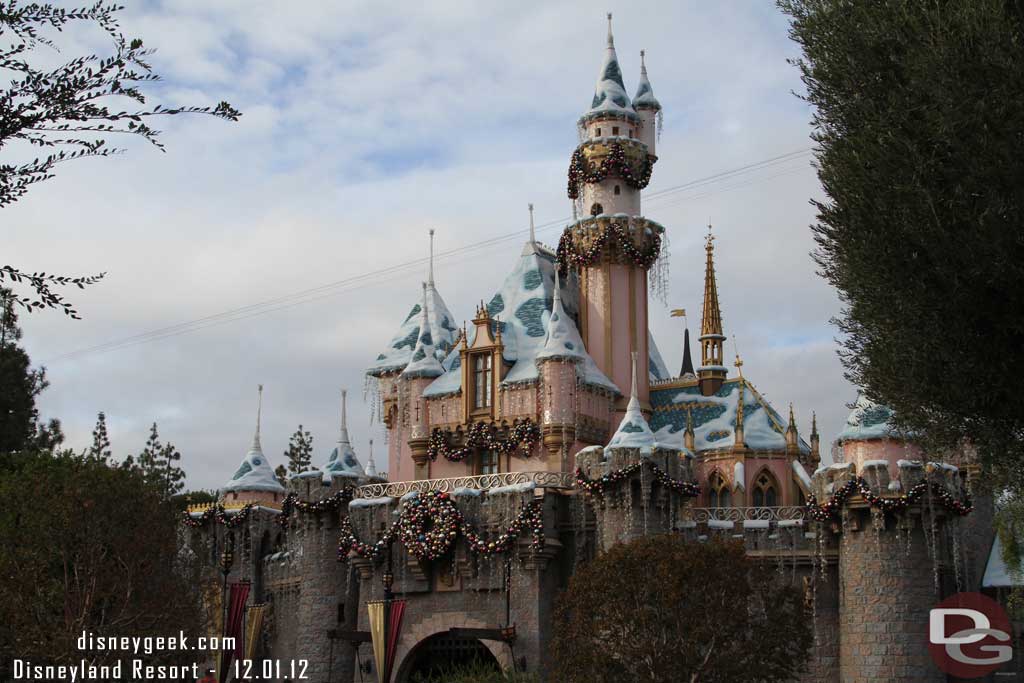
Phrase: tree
[663,610]
[20,426]
[917,118]
[300,451]
[100,447]
[89,547]
[157,462]
[281,472]
[63,111]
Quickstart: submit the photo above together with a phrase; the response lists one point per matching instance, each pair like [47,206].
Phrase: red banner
[394,632]
[233,627]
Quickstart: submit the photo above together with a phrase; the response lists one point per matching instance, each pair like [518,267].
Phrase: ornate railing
[232,506]
[550,480]
[773,514]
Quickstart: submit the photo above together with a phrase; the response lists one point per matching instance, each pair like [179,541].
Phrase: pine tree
[300,451]
[157,463]
[282,475]
[100,448]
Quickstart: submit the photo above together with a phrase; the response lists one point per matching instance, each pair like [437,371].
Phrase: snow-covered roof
[867,421]
[255,472]
[522,308]
[400,350]
[633,431]
[610,92]
[714,417]
[997,574]
[644,97]
[424,361]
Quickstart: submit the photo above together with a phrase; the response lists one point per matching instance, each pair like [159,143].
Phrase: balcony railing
[483,482]
[772,514]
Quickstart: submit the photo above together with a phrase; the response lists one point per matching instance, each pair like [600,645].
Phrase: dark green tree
[661,609]
[20,386]
[65,112]
[300,451]
[281,472]
[89,547]
[100,448]
[918,113]
[158,463]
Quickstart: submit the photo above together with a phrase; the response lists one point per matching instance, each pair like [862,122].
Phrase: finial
[344,417]
[431,275]
[643,64]
[739,361]
[259,410]
[533,234]
[632,386]
[709,241]
[611,41]
[814,424]
[792,419]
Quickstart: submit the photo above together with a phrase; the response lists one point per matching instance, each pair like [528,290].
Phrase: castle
[550,429]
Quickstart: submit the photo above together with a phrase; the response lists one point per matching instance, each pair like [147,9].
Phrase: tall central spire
[430,276]
[611,39]
[712,371]
[259,410]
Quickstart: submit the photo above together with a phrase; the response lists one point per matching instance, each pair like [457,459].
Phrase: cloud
[364,125]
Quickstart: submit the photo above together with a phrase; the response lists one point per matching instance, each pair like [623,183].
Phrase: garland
[615,164]
[218,514]
[430,523]
[598,486]
[569,255]
[292,503]
[479,436]
[830,508]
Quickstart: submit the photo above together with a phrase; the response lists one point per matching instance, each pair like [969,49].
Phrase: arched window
[617,190]
[596,209]
[766,490]
[718,491]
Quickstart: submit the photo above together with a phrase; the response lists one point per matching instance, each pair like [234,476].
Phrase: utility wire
[400,270]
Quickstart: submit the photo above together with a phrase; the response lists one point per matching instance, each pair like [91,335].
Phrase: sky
[364,125]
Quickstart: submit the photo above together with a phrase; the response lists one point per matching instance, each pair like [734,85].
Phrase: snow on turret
[633,431]
[868,421]
[342,461]
[255,472]
[610,92]
[644,98]
[424,361]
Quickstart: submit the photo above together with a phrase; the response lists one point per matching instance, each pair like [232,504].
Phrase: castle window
[765,490]
[617,190]
[598,132]
[596,209]
[488,462]
[615,130]
[718,491]
[482,381]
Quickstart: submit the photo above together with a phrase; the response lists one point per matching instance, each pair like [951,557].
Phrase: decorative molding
[740,514]
[551,480]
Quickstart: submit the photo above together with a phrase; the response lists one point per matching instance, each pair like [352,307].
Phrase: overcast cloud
[364,125]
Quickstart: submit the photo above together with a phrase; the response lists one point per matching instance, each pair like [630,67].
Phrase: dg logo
[969,635]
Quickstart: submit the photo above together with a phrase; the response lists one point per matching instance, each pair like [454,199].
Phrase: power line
[397,271]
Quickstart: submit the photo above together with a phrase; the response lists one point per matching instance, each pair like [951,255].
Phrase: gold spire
[740,440]
[711,322]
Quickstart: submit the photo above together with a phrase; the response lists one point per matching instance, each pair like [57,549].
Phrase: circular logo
[969,635]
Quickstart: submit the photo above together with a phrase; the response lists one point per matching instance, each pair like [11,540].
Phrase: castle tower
[712,371]
[647,106]
[254,480]
[423,368]
[612,245]
[557,361]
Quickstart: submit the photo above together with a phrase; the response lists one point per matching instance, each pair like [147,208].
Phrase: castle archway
[439,653]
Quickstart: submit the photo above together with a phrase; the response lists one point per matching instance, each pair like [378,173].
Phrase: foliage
[65,112]
[477,672]
[300,451]
[157,462]
[100,447]
[722,617]
[88,547]
[917,118]
[281,472]
[20,426]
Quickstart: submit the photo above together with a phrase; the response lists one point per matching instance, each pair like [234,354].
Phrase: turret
[557,362]
[712,371]
[815,455]
[423,368]
[254,480]
[612,245]
[647,107]
[792,437]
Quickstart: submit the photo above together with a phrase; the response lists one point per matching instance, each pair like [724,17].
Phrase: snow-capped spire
[371,466]
[610,93]
[533,231]
[712,371]
[430,276]
[644,97]
[563,339]
[343,432]
[255,472]
[424,363]
[633,431]
[256,447]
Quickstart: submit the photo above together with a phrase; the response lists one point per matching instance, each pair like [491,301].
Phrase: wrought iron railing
[771,514]
[483,482]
